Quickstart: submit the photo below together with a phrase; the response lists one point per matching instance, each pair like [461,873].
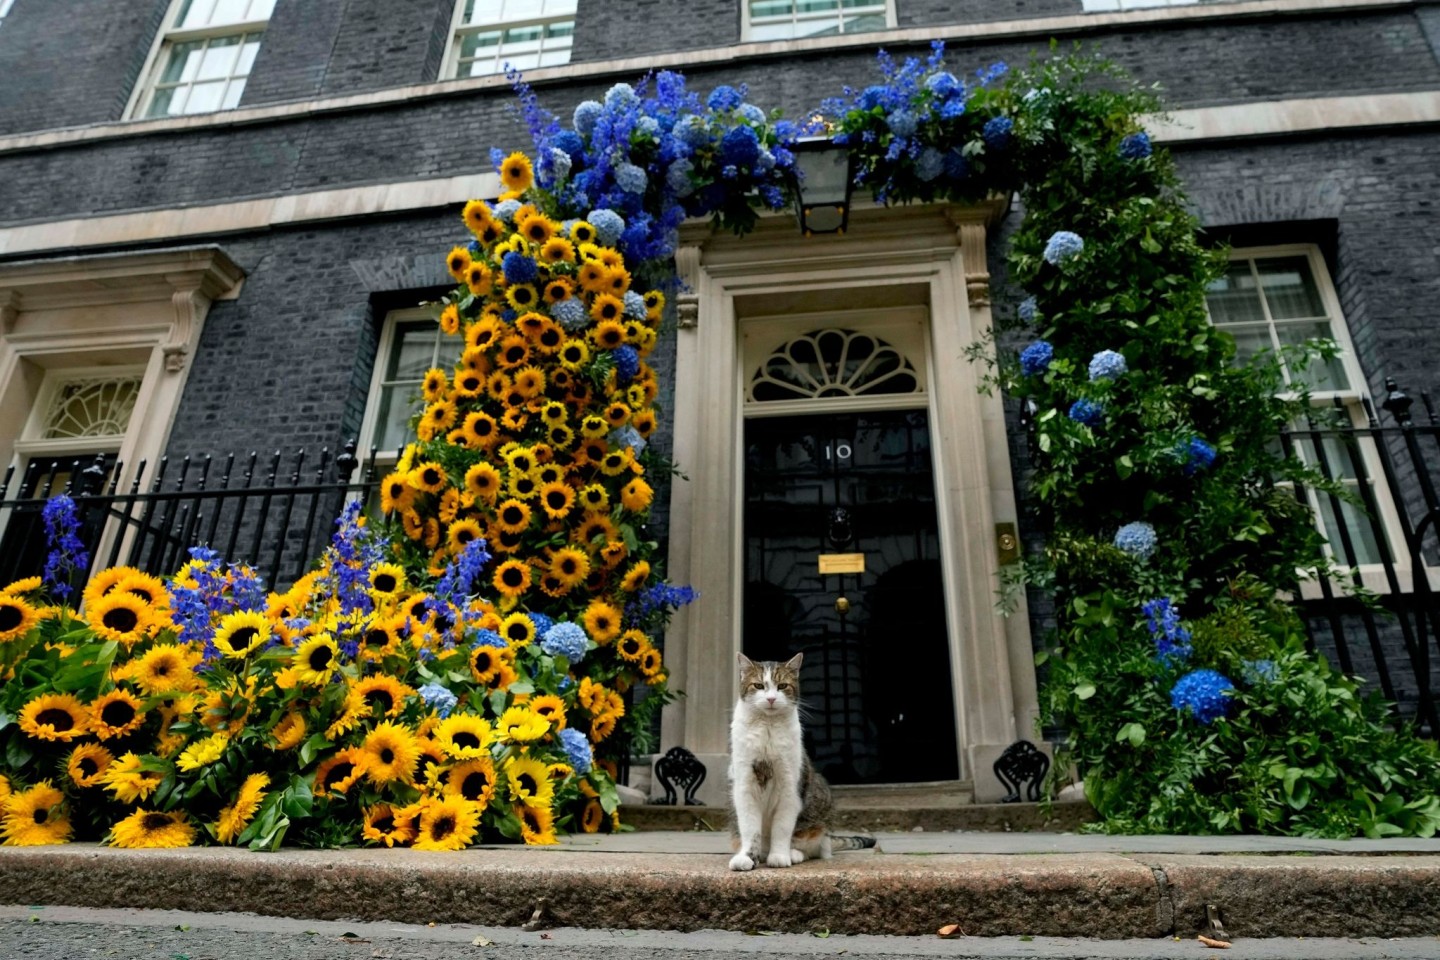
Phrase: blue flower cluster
[627,362]
[1027,310]
[67,552]
[566,640]
[1137,539]
[191,608]
[1172,641]
[1089,413]
[1205,693]
[1136,146]
[577,747]
[457,582]
[642,151]
[1062,247]
[1107,365]
[659,598]
[438,698]
[1035,359]
[1256,672]
[1196,455]
[354,550]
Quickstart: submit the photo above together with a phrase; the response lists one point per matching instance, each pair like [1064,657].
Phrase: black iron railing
[273,513]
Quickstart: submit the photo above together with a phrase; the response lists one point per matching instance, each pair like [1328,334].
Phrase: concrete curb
[991,817]
[1107,896]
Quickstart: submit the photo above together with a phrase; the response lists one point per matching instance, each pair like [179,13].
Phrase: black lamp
[822,193]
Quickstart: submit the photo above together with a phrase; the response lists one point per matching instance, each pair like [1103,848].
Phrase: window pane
[414,350]
[260,9]
[1361,531]
[392,420]
[864,24]
[184,61]
[527,61]
[1232,298]
[772,31]
[219,58]
[814,6]
[524,9]
[232,94]
[229,11]
[195,13]
[473,44]
[558,8]
[1320,374]
[1250,340]
[165,102]
[519,35]
[482,11]
[771,8]
[557,30]
[553,56]
[205,97]
[247,55]
[1290,288]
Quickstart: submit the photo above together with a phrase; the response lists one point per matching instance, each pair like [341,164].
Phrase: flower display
[1107,365]
[1195,456]
[1136,146]
[1035,359]
[1172,641]
[1062,247]
[1205,694]
[1088,412]
[1138,539]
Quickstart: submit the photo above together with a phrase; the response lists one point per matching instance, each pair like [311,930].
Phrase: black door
[876,676]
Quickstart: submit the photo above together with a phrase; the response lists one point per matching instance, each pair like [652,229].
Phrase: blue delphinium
[1172,641]
[518,268]
[456,583]
[1136,146]
[1035,359]
[1088,412]
[570,313]
[1257,672]
[631,178]
[1107,365]
[67,551]
[608,226]
[1197,455]
[566,640]
[997,133]
[439,699]
[627,362]
[1027,310]
[1205,693]
[353,552]
[1062,247]
[657,597]
[577,748]
[1137,539]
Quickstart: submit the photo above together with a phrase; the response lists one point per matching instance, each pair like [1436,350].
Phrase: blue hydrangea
[627,436]
[740,146]
[930,164]
[956,166]
[627,362]
[871,97]
[1172,641]
[560,163]
[765,162]
[541,621]
[489,638]
[1136,146]
[1107,365]
[1205,693]
[677,178]
[1137,539]
[505,209]
[620,95]
[943,84]
[1027,310]
[1035,359]
[569,142]
[903,123]
[577,748]
[570,314]
[1062,246]
[998,132]
[566,640]
[648,126]
[635,305]
[1088,412]
[608,226]
[631,178]
[439,699]
[586,114]
[729,171]
[691,130]
[952,108]
[518,268]
[724,97]
[751,114]
[1257,672]
[1197,455]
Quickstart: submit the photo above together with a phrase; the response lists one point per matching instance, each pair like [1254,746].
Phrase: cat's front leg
[749,824]
[782,831]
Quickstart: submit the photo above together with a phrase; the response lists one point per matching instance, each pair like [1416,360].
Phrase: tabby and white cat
[780,805]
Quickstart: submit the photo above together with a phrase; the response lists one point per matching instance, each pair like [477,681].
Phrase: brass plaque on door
[842,563]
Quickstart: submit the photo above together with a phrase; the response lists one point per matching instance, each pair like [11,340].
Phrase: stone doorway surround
[931,256]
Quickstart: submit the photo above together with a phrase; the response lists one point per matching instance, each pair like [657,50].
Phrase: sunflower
[570,566]
[516,172]
[429,477]
[242,633]
[87,764]
[489,233]
[472,780]
[537,824]
[609,333]
[116,714]
[383,692]
[35,817]
[538,228]
[650,664]
[592,817]
[557,498]
[631,645]
[202,753]
[635,577]
[449,320]
[654,304]
[644,422]
[591,275]
[550,707]
[55,716]
[523,485]
[512,578]
[447,823]
[479,279]
[315,660]
[512,516]
[482,481]
[396,494]
[514,352]
[464,736]
[388,824]
[521,725]
[432,756]
[574,354]
[104,582]
[479,430]
[437,418]
[122,617]
[518,630]
[549,338]
[610,257]
[146,829]
[126,779]
[617,281]
[601,727]
[529,382]
[392,753]
[289,733]
[582,232]
[602,621]
[149,589]
[387,579]
[527,781]
[557,289]
[522,296]
[163,668]
[476,215]
[594,526]
[340,772]
[616,462]
[236,817]
[17,588]
[617,415]
[554,412]
[457,261]
[486,662]
[469,384]
[636,495]
[484,332]
[462,533]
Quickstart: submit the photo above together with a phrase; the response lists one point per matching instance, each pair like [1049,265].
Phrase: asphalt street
[68,933]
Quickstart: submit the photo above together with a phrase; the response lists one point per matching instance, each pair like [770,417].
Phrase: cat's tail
[851,843]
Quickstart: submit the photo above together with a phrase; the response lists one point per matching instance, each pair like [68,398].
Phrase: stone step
[867,818]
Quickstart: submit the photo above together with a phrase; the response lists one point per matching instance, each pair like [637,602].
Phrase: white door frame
[931,255]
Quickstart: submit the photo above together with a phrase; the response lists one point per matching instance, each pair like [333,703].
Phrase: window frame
[379,382]
[5,8]
[141,98]
[450,63]
[747,29]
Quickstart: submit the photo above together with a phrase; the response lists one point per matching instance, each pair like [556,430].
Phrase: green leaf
[1124,466]
[609,796]
[1134,732]
[1085,690]
[313,746]
[522,686]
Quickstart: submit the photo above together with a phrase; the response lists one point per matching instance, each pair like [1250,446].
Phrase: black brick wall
[606,29]
[929,13]
[295,53]
[388,43]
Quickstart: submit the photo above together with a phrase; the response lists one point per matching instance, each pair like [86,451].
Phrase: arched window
[833,362]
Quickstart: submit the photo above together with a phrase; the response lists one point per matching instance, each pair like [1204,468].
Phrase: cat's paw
[780,858]
[797,856]
[742,861]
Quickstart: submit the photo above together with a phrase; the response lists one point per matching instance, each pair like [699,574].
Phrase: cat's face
[770,688]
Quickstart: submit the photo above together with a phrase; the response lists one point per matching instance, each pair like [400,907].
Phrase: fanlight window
[833,363]
[93,407]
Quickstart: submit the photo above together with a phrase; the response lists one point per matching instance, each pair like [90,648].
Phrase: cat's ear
[794,662]
[745,662]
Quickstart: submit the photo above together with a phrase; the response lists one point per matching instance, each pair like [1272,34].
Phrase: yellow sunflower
[574,354]
[340,772]
[636,495]
[87,764]
[527,780]
[614,463]
[518,630]
[613,553]
[20,587]
[164,668]
[447,823]
[104,582]
[557,499]
[146,829]
[592,817]
[631,645]
[457,261]
[384,693]
[236,817]
[316,660]
[462,533]
[35,817]
[635,577]
[289,733]
[537,228]
[464,736]
[487,661]
[55,716]
[242,633]
[512,578]
[537,824]
[582,232]
[389,824]
[516,172]
[591,275]
[602,621]
[550,707]
[522,296]
[392,753]
[609,333]
[387,579]
[116,714]
[396,494]
[476,215]
[650,663]
[122,617]
[202,753]
[17,617]
[472,780]
[479,279]
[429,477]
[521,725]
[483,482]
[480,430]
[128,781]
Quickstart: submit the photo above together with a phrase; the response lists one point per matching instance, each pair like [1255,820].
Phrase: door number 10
[838,451]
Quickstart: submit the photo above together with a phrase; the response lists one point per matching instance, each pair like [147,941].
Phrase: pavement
[989,884]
